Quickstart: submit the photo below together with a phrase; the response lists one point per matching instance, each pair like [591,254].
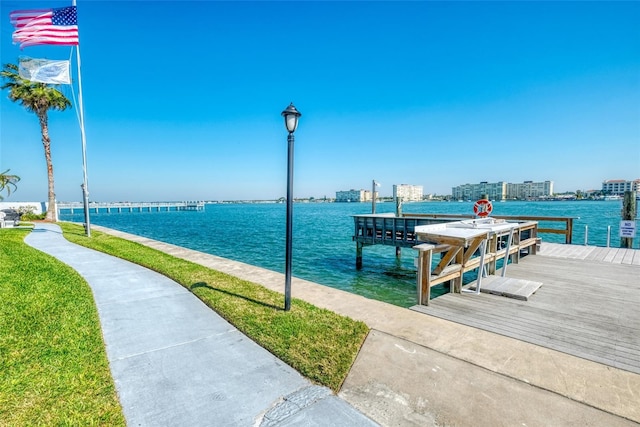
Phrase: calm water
[323,250]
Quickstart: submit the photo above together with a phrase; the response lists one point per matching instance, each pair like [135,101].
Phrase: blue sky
[182,99]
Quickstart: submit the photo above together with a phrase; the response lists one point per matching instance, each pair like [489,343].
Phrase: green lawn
[53,365]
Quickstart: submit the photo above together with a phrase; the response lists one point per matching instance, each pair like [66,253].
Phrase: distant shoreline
[40,207]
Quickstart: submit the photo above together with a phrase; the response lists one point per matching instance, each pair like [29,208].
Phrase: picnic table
[462,246]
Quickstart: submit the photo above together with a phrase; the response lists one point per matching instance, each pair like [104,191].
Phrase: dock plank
[619,257]
[628,256]
[598,254]
[586,308]
[612,253]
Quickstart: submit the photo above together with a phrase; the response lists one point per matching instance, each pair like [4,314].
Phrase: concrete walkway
[175,362]
[419,370]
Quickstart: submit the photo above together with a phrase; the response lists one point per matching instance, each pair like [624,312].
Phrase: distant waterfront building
[502,190]
[407,192]
[493,190]
[529,189]
[619,186]
[353,196]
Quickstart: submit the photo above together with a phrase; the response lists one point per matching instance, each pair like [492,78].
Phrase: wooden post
[423,285]
[456,284]
[358,256]
[628,214]
[398,201]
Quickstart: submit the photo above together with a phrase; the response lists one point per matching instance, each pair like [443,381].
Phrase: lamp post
[85,203]
[291,116]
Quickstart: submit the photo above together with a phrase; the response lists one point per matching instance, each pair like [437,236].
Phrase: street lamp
[291,116]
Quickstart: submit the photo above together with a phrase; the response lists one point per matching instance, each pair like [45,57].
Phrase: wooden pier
[587,305]
[119,207]
[399,231]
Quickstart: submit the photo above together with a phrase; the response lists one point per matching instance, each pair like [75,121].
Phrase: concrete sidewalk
[175,362]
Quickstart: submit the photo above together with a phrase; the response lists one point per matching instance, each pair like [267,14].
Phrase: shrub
[30,216]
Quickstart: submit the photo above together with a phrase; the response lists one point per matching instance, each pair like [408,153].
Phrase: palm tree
[7,181]
[37,98]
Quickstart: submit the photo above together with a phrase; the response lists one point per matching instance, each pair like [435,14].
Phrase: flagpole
[85,184]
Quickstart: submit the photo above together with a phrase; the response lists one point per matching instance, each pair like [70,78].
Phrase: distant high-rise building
[502,190]
[407,192]
[529,189]
[493,190]
[619,186]
[353,196]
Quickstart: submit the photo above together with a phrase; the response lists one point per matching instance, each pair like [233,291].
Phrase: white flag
[44,70]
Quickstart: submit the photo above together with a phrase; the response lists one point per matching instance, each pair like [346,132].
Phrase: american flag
[45,26]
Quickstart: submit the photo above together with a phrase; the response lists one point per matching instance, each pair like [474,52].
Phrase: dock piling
[628,214]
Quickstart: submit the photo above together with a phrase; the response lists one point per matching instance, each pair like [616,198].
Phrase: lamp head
[291,115]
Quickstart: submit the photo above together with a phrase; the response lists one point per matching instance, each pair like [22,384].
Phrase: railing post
[608,236]
[586,235]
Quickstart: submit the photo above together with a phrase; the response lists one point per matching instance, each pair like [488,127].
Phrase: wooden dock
[588,305]
[399,230]
[119,207]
